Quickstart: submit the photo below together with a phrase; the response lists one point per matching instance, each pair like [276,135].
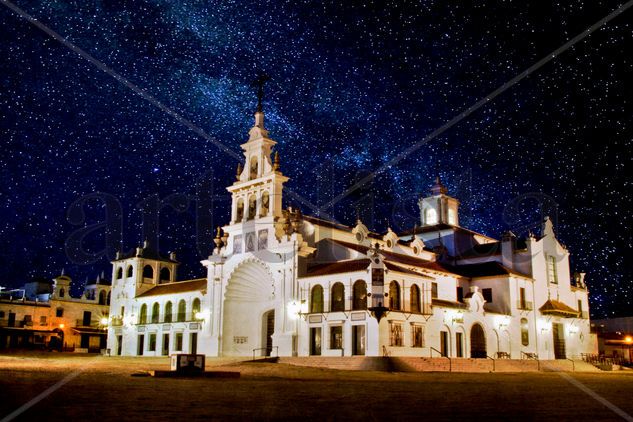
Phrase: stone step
[425,364]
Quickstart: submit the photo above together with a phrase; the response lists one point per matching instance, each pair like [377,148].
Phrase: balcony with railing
[116,321]
[92,323]
[524,305]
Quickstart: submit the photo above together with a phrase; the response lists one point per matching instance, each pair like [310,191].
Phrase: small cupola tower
[439,208]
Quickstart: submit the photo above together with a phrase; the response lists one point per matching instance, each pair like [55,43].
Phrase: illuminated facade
[44,315]
[282,283]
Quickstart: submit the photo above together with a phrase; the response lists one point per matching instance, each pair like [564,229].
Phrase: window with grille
[417,335]
[336,337]
[395,338]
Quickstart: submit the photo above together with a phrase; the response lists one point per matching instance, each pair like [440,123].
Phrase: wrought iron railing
[524,305]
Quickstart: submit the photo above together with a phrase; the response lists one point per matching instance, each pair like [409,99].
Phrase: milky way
[352,85]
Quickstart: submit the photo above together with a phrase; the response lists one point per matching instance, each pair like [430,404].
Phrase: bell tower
[439,208]
[257,191]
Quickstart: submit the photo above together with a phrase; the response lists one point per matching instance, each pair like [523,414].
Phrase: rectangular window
[59,312]
[395,337]
[459,345]
[178,345]
[552,274]
[122,311]
[434,290]
[580,306]
[336,337]
[417,335]
[1,314]
[460,294]
[487,294]
[152,342]
[165,344]
[43,320]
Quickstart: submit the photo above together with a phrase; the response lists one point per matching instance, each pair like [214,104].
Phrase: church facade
[282,283]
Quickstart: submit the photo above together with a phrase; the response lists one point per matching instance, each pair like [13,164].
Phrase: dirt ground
[102,388]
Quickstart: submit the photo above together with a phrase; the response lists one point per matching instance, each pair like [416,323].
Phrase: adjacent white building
[283,283]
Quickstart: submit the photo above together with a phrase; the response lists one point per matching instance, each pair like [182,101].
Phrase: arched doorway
[477,342]
[248,311]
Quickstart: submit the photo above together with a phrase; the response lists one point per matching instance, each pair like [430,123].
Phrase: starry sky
[352,85]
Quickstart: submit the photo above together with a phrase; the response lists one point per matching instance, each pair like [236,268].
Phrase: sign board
[187,363]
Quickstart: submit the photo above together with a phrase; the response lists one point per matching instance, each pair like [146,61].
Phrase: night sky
[353,84]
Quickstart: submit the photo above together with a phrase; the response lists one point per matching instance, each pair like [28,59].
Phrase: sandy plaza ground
[103,388]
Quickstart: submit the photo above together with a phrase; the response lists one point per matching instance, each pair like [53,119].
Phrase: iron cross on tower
[259,83]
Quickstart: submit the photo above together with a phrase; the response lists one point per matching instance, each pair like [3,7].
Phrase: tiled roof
[326,223]
[554,307]
[177,287]
[398,258]
[483,249]
[338,267]
[484,269]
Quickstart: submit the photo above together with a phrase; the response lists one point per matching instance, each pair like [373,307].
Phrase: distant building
[280,282]
[44,315]
[615,337]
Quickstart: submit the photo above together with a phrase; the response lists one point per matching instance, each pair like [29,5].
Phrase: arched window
[359,299]
[252,207]
[102,297]
[265,204]
[129,271]
[337,303]
[394,296]
[142,316]
[119,273]
[108,298]
[525,335]
[253,168]
[451,217]
[239,212]
[182,311]
[415,298]
[316,299]
[155,313]
[430,216]
[148,271]
[62,292]
[195,308]
[167,315]
[165,274]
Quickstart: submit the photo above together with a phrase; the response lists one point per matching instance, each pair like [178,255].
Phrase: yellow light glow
[628,339]
[104,321]
[61,325]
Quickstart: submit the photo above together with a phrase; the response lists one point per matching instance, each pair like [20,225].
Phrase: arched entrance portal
[477,342]
[248,301]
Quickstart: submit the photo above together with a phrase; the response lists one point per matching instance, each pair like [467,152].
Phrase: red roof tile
[177,287]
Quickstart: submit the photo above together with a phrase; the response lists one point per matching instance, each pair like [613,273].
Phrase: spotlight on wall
[104,321]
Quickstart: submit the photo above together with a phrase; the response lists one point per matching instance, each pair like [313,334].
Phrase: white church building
[282,283]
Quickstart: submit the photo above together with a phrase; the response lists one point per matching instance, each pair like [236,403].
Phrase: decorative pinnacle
[239,171]
[276,162]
